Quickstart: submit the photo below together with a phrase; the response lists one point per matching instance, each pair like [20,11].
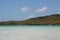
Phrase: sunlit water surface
[29,32]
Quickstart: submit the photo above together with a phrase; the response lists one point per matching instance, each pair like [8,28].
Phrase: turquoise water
[30,32]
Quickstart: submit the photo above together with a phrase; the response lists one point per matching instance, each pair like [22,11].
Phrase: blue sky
[25,9]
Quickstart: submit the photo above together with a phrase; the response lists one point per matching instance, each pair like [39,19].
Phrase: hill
[45,20]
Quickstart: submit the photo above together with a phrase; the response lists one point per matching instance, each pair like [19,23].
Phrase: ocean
[30,32]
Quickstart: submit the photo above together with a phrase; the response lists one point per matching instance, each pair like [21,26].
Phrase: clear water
[29,32]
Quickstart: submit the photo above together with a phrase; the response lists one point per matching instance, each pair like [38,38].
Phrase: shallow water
[29,32]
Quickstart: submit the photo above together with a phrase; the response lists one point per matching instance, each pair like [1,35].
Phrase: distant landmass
[45,20]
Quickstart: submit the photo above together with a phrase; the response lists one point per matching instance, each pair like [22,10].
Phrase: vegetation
[46,20]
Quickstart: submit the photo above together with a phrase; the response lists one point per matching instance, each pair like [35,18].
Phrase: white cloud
[31,16]
[24,9]
[41,9]
[59,9]
[58,12]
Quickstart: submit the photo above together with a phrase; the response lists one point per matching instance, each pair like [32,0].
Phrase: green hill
[46,20]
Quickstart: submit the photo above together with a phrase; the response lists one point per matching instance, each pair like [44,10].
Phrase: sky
[25,9]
